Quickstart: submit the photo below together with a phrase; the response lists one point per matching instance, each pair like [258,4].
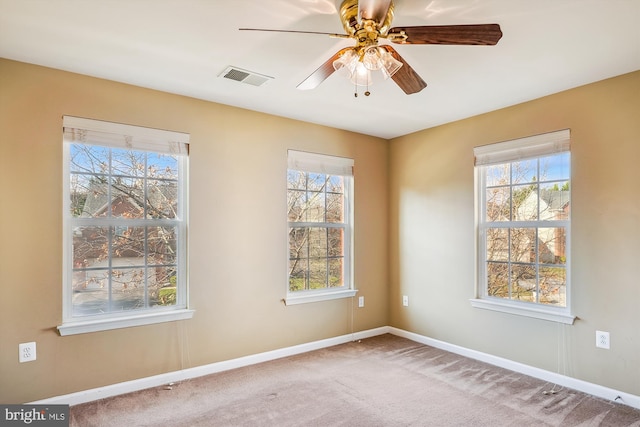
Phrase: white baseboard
[552,377]
[185,374]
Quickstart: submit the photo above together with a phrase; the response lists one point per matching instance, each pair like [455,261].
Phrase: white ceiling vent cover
[245,76]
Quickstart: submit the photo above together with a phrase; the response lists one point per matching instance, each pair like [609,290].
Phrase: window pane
[128,246]
[316,181]
[90,292]
[556,167]
[96,201]
[162,166]
[317,273]
[88,158]
[315,206]
[498,175]
[127,289]
[524,171]
[127,162]
[162,245]
[555,200]
[335,184]
[335,242]
[498,279]
[553,286]
[552,245]
[298,243]
[297,275]
[162,199]
[335,207]
[127,198]
[498,244]
[525,202]
[523,245]
[161,283]
[523,282]
[498,204]
[317,242]
[336,273]
[296,180]
[296,205]
[78,191]
[317,258]
[90,246]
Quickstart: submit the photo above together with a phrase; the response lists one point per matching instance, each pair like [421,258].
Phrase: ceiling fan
[368,21]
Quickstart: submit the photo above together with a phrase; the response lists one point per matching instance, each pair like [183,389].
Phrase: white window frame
[330,165]
[504,152]
[108,134]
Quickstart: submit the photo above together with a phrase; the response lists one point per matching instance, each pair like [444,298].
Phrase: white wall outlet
[27,352]
[602,340]
[361,301]
[405,300]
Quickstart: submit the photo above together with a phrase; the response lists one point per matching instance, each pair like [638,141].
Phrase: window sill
[535,312]
[318,296]
[85,326]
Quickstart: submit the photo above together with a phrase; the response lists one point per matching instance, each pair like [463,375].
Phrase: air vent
[244,76]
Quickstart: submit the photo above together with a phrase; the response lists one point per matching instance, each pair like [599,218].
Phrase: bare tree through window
[527,205]
[316,214]
[123,209]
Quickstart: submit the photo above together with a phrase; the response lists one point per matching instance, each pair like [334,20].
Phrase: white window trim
[144,318]
[514,307]
[331,165]
[120,135]
[503,152]
[311,296]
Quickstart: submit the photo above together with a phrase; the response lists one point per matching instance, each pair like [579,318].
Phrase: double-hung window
[320,218]
[125,226]
[524,205]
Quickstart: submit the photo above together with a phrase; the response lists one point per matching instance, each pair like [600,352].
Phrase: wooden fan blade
[406,77]
[483,34]
[376,10]
[321,74]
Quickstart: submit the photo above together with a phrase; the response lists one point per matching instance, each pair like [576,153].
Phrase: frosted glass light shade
[372,59]
[351,65]
[361,75]
[390,65]
[346,64]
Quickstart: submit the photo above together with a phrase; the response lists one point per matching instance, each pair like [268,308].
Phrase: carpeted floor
[380,381]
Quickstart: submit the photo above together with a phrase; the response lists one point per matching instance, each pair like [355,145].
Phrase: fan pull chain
[355,93]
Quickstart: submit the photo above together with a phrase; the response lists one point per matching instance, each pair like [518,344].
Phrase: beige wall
[432,234]
[237,219]
[414,207]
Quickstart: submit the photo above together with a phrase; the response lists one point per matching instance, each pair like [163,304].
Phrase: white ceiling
[182,46]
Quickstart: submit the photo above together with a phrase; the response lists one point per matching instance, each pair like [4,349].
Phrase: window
[125,229]
[319,209]
[524,201]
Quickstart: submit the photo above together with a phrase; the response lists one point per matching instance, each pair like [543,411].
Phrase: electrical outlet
[361,301]
[27,352]
[602,340]
[405,300]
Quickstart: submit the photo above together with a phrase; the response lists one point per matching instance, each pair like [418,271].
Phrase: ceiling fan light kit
[357,66]
[368,21]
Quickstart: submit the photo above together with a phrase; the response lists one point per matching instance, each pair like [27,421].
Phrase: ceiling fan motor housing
[353,23]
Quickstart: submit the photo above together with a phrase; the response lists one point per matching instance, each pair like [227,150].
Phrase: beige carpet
[380,381]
